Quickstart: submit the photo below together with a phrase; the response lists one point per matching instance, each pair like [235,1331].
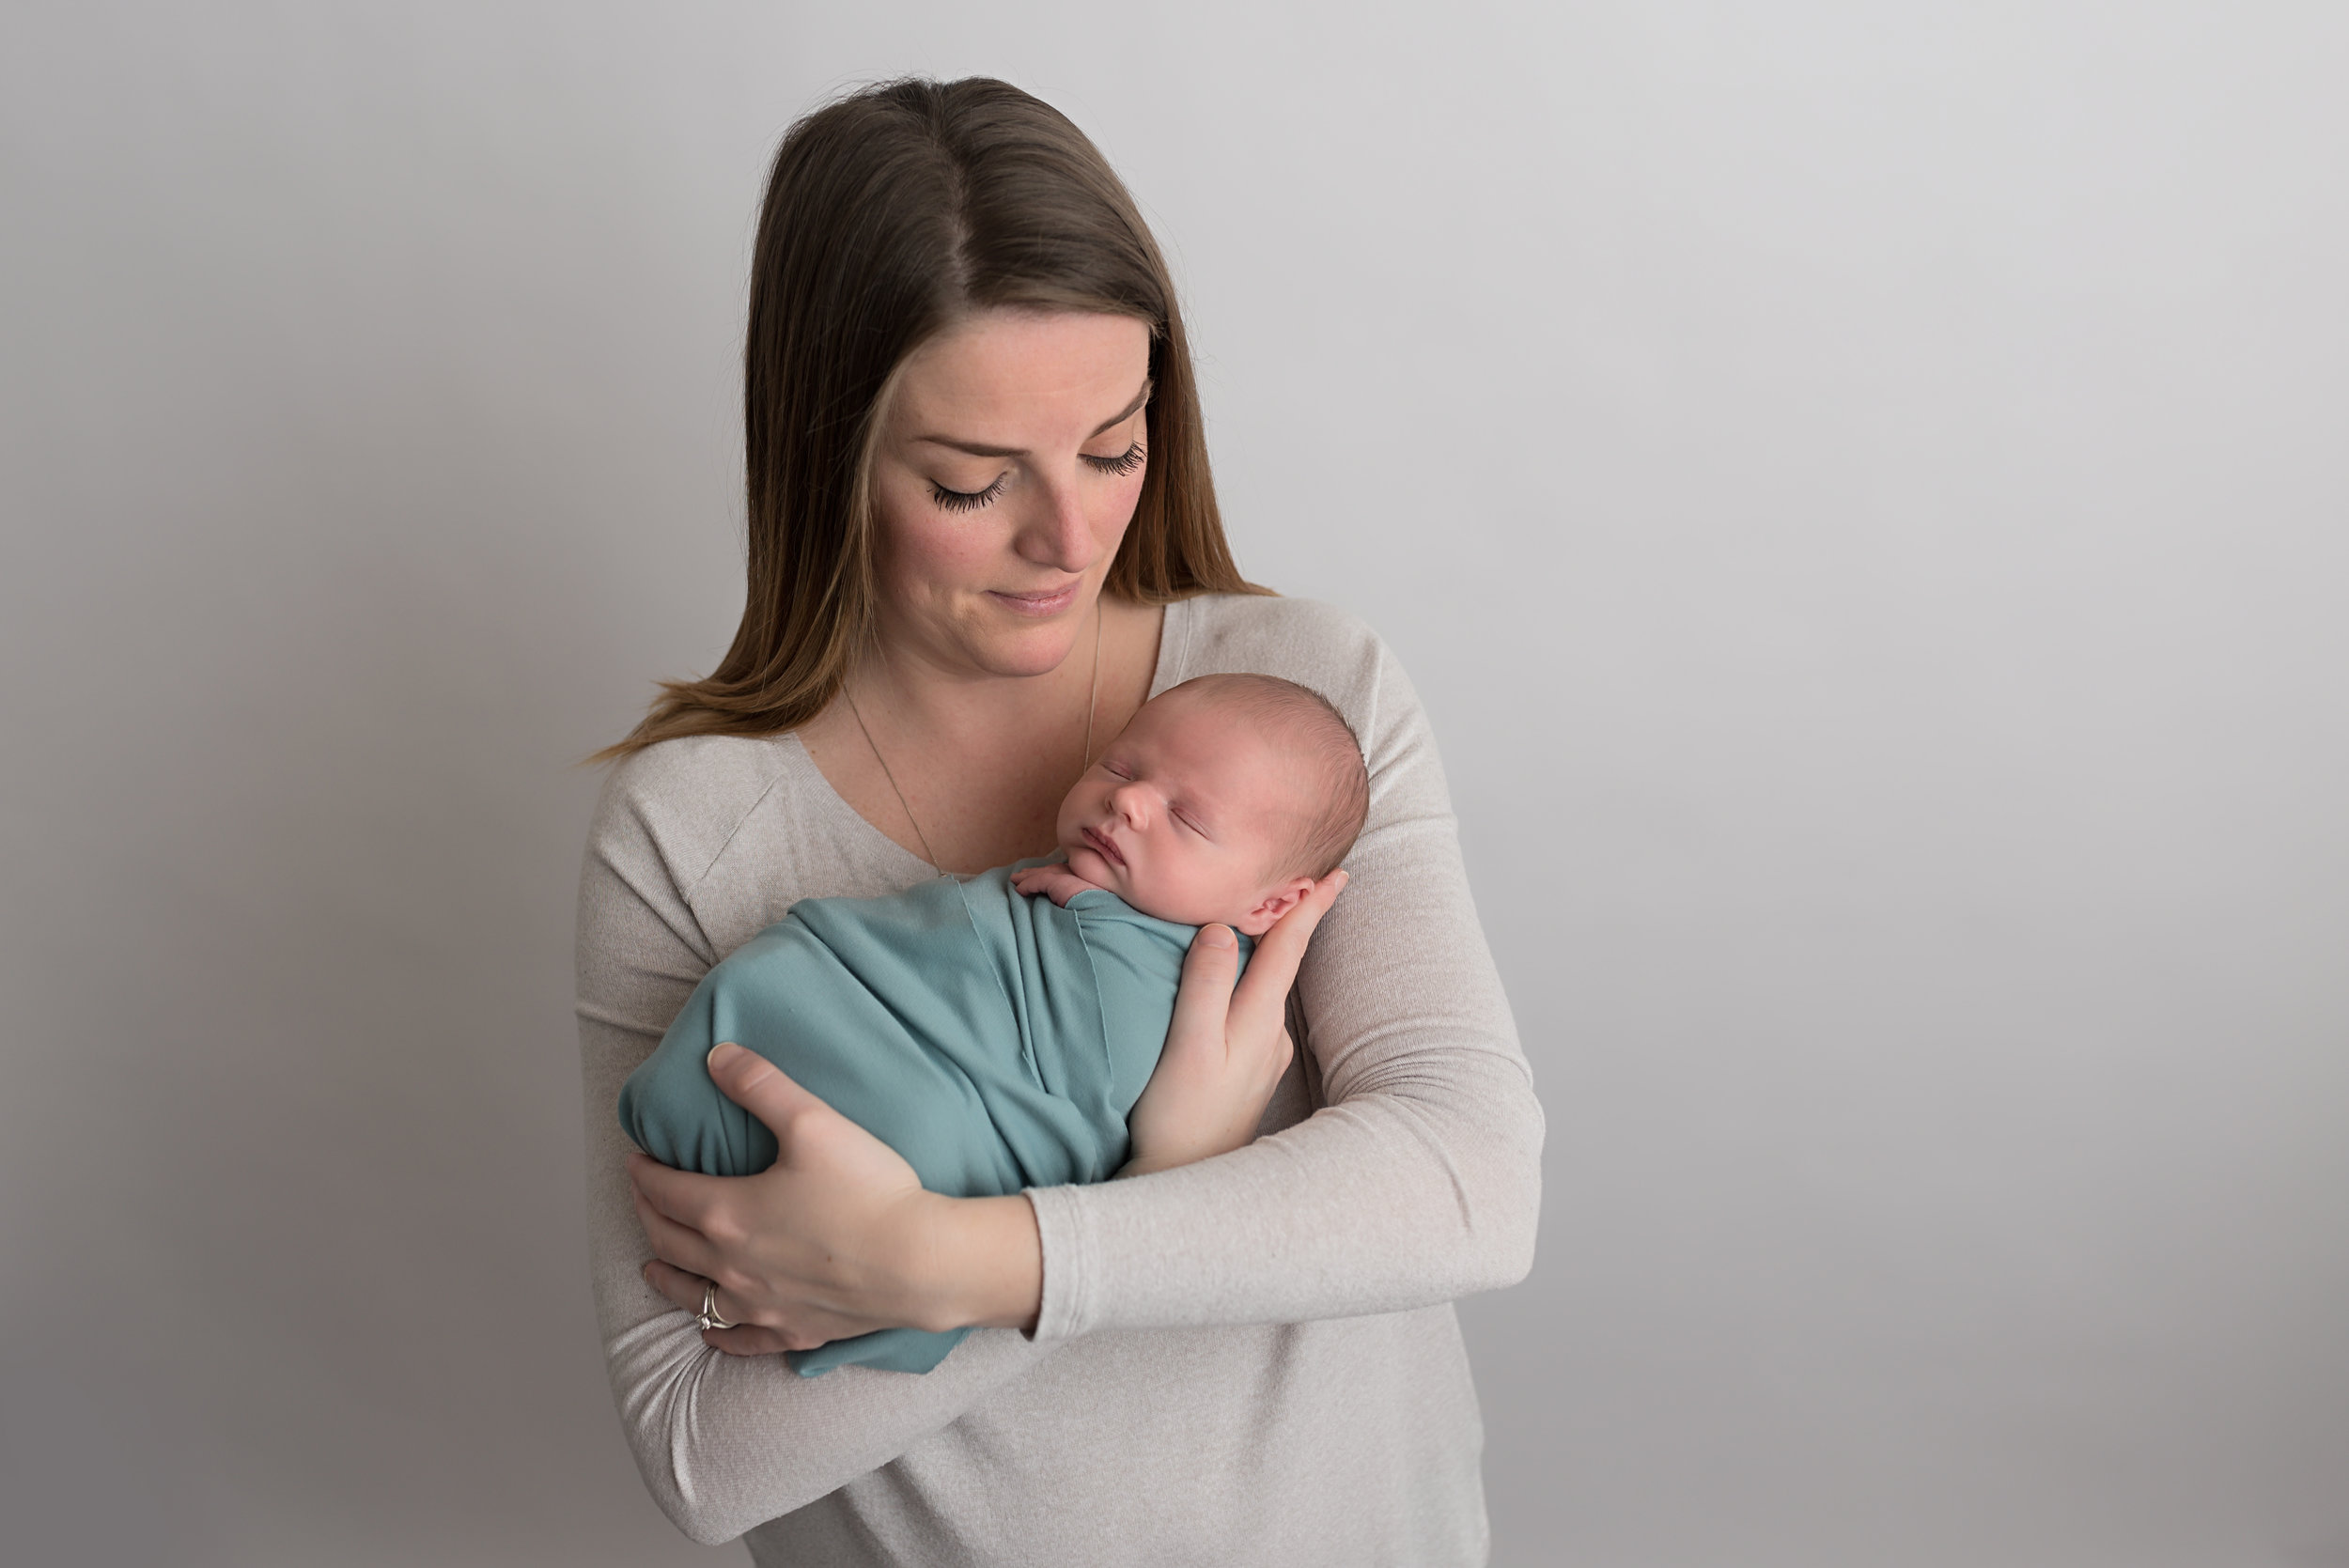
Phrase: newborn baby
[996,1030]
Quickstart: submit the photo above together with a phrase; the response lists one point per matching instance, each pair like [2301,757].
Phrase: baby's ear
[1280,901]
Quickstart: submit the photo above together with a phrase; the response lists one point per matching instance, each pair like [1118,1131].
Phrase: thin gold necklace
[1084,758]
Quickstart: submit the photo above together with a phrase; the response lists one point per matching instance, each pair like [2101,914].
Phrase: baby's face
[1187,816]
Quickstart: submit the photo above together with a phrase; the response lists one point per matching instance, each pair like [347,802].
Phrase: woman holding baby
[981,532]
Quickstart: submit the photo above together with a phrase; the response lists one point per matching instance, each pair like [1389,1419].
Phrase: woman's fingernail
[714,1060]
[1217,936]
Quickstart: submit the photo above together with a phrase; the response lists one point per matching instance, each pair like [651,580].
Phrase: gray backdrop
[1860,488]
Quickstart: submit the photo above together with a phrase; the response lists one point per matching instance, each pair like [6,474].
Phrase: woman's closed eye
[966,501]
[971,501]
[1125,462]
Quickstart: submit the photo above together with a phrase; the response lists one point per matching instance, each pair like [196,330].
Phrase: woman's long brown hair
[890,216]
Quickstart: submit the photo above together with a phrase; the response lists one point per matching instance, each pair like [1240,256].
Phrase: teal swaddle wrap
[996,1041]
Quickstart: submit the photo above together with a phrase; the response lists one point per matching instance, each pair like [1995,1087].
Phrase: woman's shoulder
[1326,647]
[686,798]
[1278,625]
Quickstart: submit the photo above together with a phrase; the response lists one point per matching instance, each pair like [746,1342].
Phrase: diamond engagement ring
[707,1317]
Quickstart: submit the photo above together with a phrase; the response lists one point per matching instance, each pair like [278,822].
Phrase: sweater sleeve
[1419,1180]
[723,1442]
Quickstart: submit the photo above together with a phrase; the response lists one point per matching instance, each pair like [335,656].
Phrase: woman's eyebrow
[978,450]
[1127,412]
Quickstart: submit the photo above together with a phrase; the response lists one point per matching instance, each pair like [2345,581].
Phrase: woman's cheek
[922,545]
[1119,515]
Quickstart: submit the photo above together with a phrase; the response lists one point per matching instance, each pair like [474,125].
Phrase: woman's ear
[1269,908]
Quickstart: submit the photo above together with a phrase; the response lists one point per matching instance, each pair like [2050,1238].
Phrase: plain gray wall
[1863,493]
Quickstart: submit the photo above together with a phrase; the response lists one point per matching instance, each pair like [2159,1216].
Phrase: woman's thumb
[757,1085]
[1208,969]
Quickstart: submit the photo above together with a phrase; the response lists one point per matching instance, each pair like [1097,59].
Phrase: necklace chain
[1084,759]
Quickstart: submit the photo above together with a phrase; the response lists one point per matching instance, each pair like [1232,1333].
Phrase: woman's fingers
[682,1288]
[1205,989]
[678,1244]
[1225,1052]
[1284,944]
[675,1286]
[827,1242]
[683,1197]
[748,1339]
[1262,997]
[1203,998]
[761,1088]
[684,1291]
[807,1131]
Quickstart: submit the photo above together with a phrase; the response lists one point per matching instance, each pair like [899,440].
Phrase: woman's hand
[1226,1050]
[837,1237]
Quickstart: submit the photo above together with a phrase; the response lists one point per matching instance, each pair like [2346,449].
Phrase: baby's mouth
[1104,846]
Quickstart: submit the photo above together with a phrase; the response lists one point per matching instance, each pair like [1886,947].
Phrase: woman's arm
[1419,1179]
[1419,1182]
[837,1237]
[723,1442]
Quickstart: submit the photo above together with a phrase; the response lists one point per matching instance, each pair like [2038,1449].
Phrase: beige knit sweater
[1252,1360]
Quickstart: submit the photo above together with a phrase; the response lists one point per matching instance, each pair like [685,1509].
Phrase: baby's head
[1224,800]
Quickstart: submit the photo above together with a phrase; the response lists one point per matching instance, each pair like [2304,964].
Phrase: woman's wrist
[979,1264]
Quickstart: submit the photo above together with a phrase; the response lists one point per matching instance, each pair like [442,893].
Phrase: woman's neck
[980,760]
[934,702]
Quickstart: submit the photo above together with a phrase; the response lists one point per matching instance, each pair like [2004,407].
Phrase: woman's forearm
[1390,1201]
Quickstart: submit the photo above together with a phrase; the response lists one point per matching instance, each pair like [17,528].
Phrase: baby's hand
[1055,882]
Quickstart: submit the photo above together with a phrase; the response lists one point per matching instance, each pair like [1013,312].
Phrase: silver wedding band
[707,1317]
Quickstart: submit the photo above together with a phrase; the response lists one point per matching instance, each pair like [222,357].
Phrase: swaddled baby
[997,1030]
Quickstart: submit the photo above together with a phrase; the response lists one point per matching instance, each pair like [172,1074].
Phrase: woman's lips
[1104,846]
[1051,603]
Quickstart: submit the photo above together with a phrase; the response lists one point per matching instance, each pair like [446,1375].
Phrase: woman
[982,532]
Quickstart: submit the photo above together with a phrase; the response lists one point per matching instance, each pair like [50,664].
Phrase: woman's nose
[1058,533]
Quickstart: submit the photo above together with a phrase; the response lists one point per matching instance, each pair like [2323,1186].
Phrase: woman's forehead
[1016,378]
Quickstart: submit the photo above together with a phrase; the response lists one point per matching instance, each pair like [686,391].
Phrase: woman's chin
[1023,648]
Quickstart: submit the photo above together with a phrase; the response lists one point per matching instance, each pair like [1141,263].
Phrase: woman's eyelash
[965,501]
[971,501]
[1125,462]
